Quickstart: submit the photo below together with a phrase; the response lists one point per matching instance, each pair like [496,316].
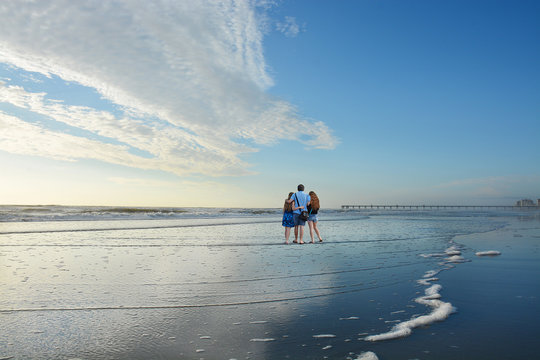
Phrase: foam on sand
[453,250]
[431,255]
[368,355]
[488,253]
[323,336]
[428,277]
[441,310]
[455,259]
[450,252]
[431,273]
[426,282]
[262,340]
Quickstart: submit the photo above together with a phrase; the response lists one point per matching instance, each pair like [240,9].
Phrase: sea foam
[488,253]
[322,336]
[455,259]
[431,273]
[368,355]
[427,281]
[452,250]
[262,340]
[432,255]
[441,310]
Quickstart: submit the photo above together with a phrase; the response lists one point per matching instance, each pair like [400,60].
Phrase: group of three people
[294,205]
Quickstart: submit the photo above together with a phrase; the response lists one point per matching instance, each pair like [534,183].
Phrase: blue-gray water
[133,283]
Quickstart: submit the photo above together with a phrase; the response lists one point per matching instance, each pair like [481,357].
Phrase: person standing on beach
[288,218]
[313,209]
[301,200]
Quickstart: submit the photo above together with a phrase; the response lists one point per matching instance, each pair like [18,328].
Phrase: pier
[438,207]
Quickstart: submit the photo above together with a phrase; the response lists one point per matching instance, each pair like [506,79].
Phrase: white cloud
[190,76]
[170,148]
[289,27]
[19,137]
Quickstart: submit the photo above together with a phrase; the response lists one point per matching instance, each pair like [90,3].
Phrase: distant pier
[437,207]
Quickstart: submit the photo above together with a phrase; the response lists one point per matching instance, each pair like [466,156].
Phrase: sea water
[141,283]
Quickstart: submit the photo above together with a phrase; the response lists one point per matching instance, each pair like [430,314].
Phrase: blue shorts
[298,221]
[313,217]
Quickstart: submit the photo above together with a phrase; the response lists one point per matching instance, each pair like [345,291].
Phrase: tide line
[190,306]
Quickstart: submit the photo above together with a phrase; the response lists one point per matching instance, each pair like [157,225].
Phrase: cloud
[164,146]
[20,137]
[189,78]
[289,27]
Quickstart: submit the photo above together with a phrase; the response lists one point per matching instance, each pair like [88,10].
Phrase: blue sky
[235,103]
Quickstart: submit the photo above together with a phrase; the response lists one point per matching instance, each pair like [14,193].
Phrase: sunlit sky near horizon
[234,103]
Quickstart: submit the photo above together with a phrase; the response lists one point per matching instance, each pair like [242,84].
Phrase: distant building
[526,202]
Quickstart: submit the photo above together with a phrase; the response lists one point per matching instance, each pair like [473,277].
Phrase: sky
[235,103]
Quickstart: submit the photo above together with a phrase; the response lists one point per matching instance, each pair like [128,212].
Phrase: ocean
[208,283]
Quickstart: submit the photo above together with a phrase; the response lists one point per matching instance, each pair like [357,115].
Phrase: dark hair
[300,187]
[287,206]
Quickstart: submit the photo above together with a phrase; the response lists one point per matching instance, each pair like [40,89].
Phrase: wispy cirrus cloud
[289,27]
[189,76]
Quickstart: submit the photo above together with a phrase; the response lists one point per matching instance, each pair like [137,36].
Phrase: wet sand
[229,291]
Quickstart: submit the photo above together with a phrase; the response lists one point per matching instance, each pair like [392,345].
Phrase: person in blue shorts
[301,200]
[288,219]
[313,209]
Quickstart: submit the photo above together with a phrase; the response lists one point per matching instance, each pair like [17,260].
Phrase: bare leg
[310,224]
[287,234]
[317,231]
[301,230]
[295,234]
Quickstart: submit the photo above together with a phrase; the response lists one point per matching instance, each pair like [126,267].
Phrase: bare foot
[301,242]
[313,242]
[295,241]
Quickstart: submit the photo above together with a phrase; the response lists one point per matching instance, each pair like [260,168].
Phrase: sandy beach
[390,285]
